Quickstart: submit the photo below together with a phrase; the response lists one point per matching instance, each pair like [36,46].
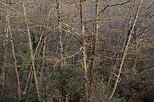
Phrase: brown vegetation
[76,50]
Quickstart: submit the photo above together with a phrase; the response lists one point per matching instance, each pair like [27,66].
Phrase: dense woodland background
[76,51]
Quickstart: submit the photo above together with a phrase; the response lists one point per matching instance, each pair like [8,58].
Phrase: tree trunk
[125,51]
[84,50]
[31,52]
[15,59]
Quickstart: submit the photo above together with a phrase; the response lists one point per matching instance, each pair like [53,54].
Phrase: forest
[76,50]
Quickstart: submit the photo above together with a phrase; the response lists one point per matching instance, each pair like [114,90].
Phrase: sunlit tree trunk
[126,50]
[84,50]
[14,56]
[31,51]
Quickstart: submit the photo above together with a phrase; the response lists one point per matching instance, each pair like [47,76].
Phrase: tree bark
[31,51]
[84,50]
[15,59]
[126,50]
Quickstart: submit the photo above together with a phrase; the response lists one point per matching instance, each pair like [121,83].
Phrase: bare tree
[31,51]
[14,56]
[126,49]
[84,49]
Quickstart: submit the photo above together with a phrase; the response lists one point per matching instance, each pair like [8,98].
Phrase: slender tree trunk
[62,81]
[43,59]
[15,59]
[60,35]
[85,66]
[31,51]
[129,24]
[84,50]
[44,46]
[94,47]
[126,50]
[41,39]
[27,81]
